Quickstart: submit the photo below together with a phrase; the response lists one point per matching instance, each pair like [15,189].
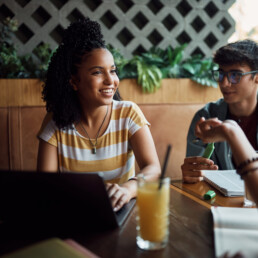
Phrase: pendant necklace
[94,150]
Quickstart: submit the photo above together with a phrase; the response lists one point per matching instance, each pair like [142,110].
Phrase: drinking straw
[164,165]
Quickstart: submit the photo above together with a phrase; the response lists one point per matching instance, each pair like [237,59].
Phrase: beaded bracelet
[133,178]
[245,172]
[246,162]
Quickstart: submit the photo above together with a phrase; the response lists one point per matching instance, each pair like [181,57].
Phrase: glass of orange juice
[152,213]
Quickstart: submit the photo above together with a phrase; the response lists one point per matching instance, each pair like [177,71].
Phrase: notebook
[228,182]
[53,247]
[62,201]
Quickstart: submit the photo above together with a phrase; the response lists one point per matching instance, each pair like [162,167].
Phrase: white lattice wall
[132,26]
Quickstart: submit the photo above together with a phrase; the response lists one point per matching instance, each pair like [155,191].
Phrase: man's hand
[192,167]
[118,195]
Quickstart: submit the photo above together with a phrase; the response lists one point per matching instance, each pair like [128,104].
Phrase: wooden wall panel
[27,92]
[171,91]
[20,92]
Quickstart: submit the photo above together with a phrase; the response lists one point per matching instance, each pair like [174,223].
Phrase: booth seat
[18,136]
[169,111]
[19,127]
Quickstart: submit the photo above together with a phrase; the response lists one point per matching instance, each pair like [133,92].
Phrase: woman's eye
[114,71]
[96,72]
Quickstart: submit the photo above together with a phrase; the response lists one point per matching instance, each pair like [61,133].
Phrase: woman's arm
[145,153]
[213,130]
[47,157]
[146,156]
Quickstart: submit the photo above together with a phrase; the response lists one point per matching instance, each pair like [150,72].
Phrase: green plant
[199,70]
[12,65]
[151,67]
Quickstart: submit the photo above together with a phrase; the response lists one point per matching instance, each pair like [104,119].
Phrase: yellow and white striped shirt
[114,155]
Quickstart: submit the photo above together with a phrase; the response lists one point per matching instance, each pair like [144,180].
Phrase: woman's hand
[214,130]
[118,195]
[192,167]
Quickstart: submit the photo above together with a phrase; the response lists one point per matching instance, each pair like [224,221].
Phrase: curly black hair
[79,38]
[239,52]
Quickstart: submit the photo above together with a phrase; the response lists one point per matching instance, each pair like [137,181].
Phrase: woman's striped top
[114,156]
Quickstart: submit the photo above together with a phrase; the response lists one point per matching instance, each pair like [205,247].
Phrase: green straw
[164,165]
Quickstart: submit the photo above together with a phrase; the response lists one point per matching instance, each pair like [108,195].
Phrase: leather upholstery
[169,125]
[18,137]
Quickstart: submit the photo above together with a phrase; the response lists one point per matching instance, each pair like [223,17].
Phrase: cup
[152,213]
[248,199]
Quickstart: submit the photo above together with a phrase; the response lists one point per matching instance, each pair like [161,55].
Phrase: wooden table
[197,190]
[191,229]
[191,233]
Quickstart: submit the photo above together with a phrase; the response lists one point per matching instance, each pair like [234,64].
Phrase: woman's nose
[108,79]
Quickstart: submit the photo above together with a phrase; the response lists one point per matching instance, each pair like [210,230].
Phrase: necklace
[94,150]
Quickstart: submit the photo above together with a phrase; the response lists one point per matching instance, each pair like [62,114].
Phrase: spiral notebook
[228,182]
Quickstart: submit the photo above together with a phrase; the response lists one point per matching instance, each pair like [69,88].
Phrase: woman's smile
[107,92]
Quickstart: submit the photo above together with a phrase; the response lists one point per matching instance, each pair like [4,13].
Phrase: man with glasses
[238,79]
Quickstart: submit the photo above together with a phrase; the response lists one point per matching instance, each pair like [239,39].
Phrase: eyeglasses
[233,77]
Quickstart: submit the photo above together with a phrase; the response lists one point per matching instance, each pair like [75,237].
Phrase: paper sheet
[235,230]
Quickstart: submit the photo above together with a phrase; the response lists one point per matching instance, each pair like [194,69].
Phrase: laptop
[66,201]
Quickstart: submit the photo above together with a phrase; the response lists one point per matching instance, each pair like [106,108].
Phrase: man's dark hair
[240,52]
[79,38]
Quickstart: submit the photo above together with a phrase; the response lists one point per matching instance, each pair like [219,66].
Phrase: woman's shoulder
[123,103]
[47,119]
[49,123]
[127,109]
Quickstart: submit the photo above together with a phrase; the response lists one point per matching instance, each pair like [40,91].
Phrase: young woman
[86,129]
[245,157]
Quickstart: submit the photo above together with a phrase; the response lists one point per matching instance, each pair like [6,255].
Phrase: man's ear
[73,81]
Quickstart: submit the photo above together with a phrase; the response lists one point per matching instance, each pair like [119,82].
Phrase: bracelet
[246,162]
[245,172]
[133,178]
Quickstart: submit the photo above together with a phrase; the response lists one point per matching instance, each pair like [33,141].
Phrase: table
[191,234]
[197,190]
[191,229]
